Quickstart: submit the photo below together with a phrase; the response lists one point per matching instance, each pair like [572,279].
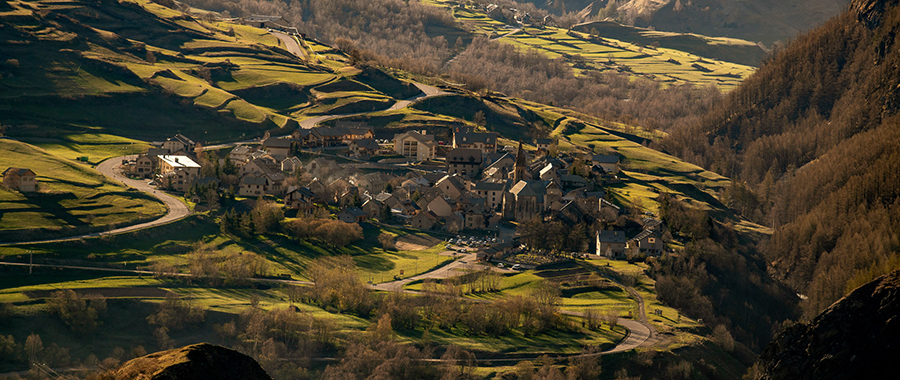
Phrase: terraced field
[662,57]
[99,74]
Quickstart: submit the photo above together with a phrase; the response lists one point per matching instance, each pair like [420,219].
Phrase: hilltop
[196,361]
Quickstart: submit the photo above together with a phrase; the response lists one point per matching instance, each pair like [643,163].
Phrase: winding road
[291,43]
[109,168]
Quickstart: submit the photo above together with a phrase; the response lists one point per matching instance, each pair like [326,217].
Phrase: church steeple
[521,165]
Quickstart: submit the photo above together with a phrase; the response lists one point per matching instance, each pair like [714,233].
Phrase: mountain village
[471,184]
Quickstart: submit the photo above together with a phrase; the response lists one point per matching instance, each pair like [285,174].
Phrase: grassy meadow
[71,196]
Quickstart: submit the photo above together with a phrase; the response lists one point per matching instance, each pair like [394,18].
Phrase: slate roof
[489,186]
[643,234]
[464,156]
[19,171]
[605,159]
[415,135]
[183,139]
[454,180]
[241,150]
[354,211]
[251,179]
[612,237]
[461,138]
[383,197]
[369,144]
[571,178]
[304,192]
[277,143]
[531,188]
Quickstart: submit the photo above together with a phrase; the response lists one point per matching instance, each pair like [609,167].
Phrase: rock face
[870,12]
[858,337]
[198,361]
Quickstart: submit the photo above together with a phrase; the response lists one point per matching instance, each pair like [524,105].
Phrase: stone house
[492,192]
[609,163]
[253,185]
[278,148]
[301,199]
[145,166]
[464,137]
[291,165]
[21,179]
[648,242]
[178,171]
[452,185]
[352,215]
[454,222]
[415,145]
[363,147]
[464,161]
[241,154]
[611,244]
[178,143]
[424,220]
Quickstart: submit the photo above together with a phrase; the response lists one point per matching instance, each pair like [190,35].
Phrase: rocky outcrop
[870,12]
[858,337]
[198,361]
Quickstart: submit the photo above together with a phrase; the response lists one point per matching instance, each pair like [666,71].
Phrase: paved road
[109,168]
[291,44]
[511,32]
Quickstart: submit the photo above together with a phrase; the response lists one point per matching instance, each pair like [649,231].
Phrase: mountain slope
[146,71]
[815,133]
[855,338]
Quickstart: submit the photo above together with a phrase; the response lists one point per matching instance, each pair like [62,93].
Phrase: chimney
[176,160]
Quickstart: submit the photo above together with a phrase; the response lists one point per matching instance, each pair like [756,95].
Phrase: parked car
[500,265]
[516,267]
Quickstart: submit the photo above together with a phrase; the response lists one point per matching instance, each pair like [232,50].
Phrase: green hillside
[175,73]
[72,198]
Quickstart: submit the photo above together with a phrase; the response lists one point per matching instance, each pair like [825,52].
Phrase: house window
[651,240]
